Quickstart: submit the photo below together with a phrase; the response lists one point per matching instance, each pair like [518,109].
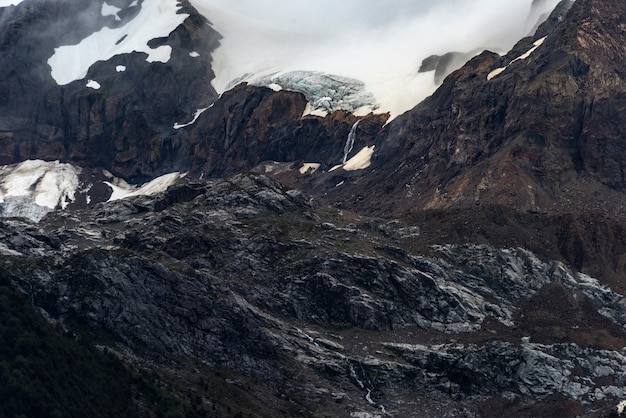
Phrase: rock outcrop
[124,124]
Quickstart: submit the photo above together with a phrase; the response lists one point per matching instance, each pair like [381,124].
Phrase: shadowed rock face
[123,125]
[444,64]
[249,125]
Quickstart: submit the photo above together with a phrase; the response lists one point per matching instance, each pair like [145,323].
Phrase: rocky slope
[339,313]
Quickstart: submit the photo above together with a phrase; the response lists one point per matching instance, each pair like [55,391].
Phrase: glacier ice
[34,187]
[325,92]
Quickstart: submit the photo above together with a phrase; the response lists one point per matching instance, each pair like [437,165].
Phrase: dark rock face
[124,125]
[245,274]
[541,134]
[444,64]
[457,310]
[249,125]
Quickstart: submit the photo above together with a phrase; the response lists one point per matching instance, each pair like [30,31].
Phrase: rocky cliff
[522,130]
[123,122]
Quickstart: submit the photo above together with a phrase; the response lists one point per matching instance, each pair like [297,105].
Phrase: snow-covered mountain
[263,205]
[359,57]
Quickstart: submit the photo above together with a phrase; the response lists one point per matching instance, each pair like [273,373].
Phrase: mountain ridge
[495,153]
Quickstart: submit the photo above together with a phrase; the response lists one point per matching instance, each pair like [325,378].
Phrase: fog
[379,42]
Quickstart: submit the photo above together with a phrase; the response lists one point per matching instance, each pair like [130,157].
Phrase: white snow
[196,115]
[621,408]
[496,72]
[309,168]
[122,190]
[309,110]
[109,10]
[525,55]
[361,160]
[47,185]
[194,54]
[157,18]
[335,167]
[120,68]
[93,85]
[7,3]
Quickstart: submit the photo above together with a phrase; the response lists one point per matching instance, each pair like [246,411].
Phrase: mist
[379,43]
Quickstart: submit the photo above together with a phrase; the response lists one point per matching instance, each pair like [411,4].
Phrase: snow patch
[194,54]
[92,84]
[109,10]
[120,68]
[621,408]
[196,115]
[525,55]
[35,187]
[335,167]
[309,168]
[7,3]
[361,160]
[156,19]
[309,110]
[122,190]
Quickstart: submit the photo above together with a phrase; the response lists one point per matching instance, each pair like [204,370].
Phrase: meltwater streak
[350,142]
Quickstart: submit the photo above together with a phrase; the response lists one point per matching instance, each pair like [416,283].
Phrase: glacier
[34,187]
[380,45]
[325,92]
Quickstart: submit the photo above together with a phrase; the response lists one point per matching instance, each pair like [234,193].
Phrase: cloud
[380,43]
